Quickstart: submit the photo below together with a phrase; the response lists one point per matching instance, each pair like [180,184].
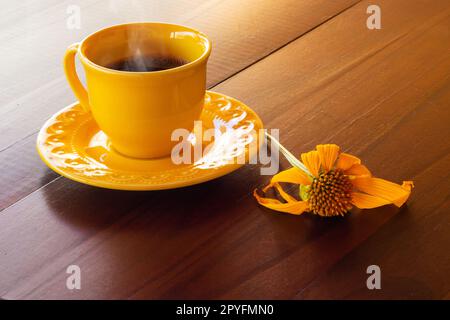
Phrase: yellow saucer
[71,144]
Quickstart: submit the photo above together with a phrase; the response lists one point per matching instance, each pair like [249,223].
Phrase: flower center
[330,194]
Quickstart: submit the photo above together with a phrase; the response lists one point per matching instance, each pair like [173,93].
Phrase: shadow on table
[91,207]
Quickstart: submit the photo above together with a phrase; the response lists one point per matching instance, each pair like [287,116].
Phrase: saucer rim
[214,172]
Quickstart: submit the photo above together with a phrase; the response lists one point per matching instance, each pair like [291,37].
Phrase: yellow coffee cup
[138,111]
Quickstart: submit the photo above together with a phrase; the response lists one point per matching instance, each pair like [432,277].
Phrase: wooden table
[311,68]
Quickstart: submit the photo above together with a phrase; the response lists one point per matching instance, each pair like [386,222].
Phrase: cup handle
[72,77]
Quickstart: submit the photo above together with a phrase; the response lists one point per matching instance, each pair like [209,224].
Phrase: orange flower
[331,183]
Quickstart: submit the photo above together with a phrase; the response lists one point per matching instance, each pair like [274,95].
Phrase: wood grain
[241,32]
[381,95]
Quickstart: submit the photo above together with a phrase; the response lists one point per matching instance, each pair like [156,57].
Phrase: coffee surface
[146,63]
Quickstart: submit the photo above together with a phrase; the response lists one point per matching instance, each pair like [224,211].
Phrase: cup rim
[199,60]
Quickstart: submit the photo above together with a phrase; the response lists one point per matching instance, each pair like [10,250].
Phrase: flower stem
[289,156]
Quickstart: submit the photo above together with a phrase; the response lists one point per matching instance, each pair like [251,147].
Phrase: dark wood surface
[311,69]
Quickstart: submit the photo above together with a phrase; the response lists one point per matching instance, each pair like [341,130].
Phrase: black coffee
[146,63]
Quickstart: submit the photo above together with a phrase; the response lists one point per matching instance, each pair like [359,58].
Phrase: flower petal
[284,194]
[358,170]
[394,193]
[294,207]
[366,201]
[346,161]
[292,175]
[312,161]
[328,154]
